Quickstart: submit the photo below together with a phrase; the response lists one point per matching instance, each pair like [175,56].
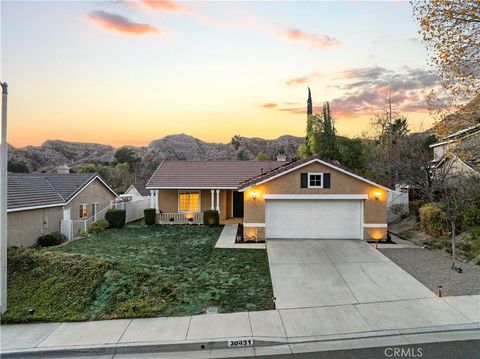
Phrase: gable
[347,179]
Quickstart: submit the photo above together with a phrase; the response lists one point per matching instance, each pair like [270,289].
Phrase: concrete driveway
[315,273]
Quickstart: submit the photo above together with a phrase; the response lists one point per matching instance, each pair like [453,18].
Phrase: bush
[52,239]
[116,218]
[150,216]
[98,226]
[414,207]
[471,216]
[211,217]
[433,220]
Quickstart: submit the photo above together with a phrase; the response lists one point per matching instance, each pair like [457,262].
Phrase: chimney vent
[281,158]
[63,169]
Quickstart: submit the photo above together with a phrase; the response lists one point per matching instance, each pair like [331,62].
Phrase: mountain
[53,153]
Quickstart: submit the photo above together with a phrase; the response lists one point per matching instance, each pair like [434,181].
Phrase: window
[189,202]
[83,211]
[315,180]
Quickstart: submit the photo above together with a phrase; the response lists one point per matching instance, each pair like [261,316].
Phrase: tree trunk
[453,246]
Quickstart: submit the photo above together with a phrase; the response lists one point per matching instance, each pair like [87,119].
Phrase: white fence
[76,228]
[397,205]
[179,218]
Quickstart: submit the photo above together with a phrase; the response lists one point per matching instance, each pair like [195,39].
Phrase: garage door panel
[314,218]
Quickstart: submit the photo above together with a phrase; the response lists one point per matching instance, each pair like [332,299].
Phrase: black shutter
[304,180]
[326,180]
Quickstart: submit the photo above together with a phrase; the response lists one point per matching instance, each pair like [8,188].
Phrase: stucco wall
[24,227]
[375,210]
[93,193]
[168,201]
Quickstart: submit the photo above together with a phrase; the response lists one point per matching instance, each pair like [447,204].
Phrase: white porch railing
[76,228]
[179,218]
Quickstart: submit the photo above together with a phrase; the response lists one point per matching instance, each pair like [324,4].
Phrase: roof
[290,166]
[207,174]
[457,135]
[26,190]
[140,189]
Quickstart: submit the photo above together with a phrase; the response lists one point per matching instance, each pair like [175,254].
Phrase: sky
[126,73]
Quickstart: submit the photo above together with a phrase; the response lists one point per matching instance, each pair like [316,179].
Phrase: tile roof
[207,174]
[141,189]
[44,189]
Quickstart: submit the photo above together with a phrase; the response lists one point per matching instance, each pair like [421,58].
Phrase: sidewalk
[227,239]
[276,331]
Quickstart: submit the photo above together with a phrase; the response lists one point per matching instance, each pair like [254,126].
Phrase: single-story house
[37,202]
[136,191]
[309,198]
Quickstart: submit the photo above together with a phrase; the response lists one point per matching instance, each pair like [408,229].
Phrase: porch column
[212,196]
[218,200]
[152,198]
[156,201]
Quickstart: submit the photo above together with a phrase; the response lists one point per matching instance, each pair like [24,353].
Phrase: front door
[237,204]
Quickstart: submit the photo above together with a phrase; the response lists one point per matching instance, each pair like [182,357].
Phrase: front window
[189,202]
[83,211]
[315,180]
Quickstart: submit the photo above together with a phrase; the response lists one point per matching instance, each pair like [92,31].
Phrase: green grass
[136,271]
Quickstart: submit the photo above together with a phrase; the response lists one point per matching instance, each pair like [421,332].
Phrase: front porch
[184,206]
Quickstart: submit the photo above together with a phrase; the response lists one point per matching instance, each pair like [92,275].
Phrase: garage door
[332,219]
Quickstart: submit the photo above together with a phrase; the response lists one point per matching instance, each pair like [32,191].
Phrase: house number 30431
[240,342]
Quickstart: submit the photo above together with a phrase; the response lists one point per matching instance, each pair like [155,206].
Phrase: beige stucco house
[309,198]
[38,202]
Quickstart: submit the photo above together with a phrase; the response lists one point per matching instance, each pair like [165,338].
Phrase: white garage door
[331,219]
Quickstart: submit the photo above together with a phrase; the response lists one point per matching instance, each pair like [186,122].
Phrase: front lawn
[136,271]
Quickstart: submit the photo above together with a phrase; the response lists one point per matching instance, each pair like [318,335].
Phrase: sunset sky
[121,72]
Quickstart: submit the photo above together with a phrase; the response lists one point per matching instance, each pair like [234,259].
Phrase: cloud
[166,5]
[269,105]
[303,79]
[317,41]
[120,23]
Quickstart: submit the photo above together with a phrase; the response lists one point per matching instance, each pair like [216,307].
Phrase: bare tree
[457,193]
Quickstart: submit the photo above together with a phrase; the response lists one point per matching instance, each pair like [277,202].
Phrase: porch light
[377,194]
[254,195]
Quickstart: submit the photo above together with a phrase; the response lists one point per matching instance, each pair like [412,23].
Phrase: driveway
[315,273]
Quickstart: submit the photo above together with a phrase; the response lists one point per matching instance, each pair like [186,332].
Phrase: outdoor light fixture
[377,194]
[254,195]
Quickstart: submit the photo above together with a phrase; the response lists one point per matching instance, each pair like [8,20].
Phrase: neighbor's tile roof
[209,174]
[141,189]
[44,189]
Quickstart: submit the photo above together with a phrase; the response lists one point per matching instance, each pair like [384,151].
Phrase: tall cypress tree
[309,103]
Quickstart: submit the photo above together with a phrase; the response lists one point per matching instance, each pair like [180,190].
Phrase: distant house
[459,152]
[37,202]
[136,192]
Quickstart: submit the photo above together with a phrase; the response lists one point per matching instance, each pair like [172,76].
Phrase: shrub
[414,207]
[98,226]
[52,239]
[471,216]
[116,218]
[433,220]
[150,215]
[211,217]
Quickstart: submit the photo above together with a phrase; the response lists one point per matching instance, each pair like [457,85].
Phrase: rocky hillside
[53,153]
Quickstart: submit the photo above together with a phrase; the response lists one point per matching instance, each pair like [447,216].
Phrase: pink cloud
[303,79]
[269,105]
[120,23]
[317,41]
[166,5]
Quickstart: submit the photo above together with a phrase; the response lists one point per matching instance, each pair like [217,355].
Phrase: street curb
[116,349]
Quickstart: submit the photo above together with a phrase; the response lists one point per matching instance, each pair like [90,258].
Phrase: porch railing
[179,218]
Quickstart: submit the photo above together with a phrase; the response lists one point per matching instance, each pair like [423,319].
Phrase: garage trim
[315,196]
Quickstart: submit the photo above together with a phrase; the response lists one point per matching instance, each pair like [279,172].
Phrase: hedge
[150,215]
[433,221]
[211,217]
[52,239]
[116,218]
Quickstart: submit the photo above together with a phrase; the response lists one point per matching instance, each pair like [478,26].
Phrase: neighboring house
[37,202]
[135,192]
[309,198]
[459,152]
